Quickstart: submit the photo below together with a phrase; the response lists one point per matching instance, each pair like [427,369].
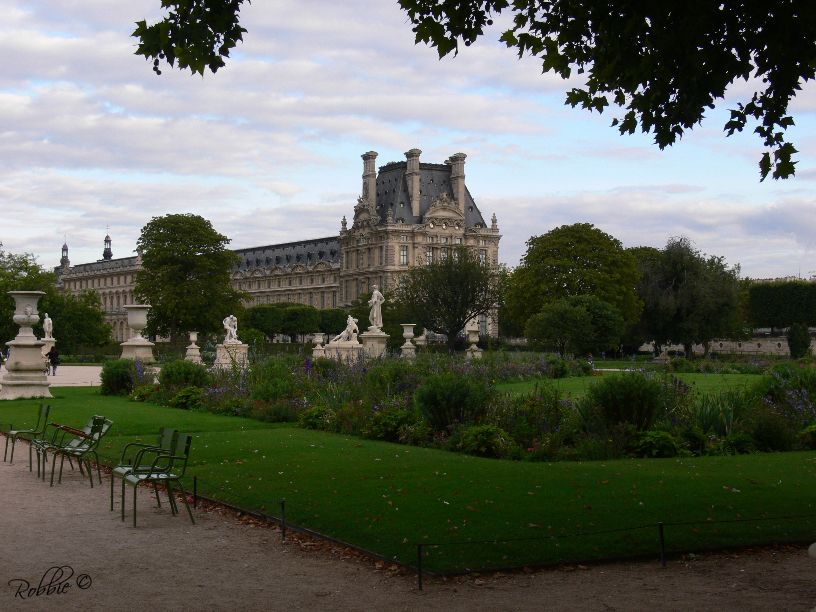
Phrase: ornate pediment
[444,210]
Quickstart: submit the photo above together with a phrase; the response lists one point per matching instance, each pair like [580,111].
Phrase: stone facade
[409,213]
[112,279]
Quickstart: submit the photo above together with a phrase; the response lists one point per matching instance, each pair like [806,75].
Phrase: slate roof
[100,266]
[289,254]
[392,190]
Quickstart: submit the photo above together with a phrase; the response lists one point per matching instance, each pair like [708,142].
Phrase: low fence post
[283,520]
[662,545]
[419,564]
[195,492]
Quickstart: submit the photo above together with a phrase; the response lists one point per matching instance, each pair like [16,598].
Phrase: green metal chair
[13,434]
[55,438]
[81,447]
[165,469]
[139,455]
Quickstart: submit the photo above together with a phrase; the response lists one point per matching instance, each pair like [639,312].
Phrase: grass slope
[387,498]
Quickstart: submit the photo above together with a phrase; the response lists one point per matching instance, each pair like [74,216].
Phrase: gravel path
[228,563]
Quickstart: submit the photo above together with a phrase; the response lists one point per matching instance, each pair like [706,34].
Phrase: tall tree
[689,298]
[185,276]
[573,260]
[447,293]
[666,63]
[559,326]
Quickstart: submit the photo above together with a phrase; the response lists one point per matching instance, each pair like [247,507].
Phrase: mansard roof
[100,266]
[289,254]
[434,179]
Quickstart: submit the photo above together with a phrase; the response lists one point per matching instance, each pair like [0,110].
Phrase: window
[259,284]
[403,255]
[483,256]
[369,257]
[334,299]
[482,324]
[360,258]
[322,299]
[279,282]
[310,299]
[269,284]
[443,254]
[311,280]
[429,255]
[300,280]
[268,299]
[382,253]
[347,290]
[323,280]
[458,241]
[404,238]
[347,259]
[444,240]
[482,242]
[335,278]
[258,300]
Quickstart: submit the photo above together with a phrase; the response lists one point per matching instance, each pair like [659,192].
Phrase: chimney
[370,179]
[457,162]
[412,178]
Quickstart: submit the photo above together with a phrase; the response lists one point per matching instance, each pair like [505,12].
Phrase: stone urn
[318,350]
[408,349]
[474,352]
[137,318]
[137,347]
[25,369]
[193,352]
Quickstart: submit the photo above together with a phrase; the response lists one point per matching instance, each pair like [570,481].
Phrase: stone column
[25,370]
[457,161]
[412,178]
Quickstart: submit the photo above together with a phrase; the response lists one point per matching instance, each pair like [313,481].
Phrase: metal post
[283,520]
[419,564]
[662,545]
[195,492]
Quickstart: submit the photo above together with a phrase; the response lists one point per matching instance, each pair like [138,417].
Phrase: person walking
[53,357]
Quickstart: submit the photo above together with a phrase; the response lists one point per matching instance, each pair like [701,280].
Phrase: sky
[268,149]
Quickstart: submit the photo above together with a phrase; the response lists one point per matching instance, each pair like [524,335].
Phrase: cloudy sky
[269,148]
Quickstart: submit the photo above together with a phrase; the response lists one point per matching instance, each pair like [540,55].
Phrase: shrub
[188,398]
[632,398]
[528,417]
[143,393]
[739,444]
[485,441]
[274,389]
[386,424]
[771,431]
[660,444]
[416,434]
[319,418]
[181,373]
[275,412]
[799,341]
[119,377]
[447,399]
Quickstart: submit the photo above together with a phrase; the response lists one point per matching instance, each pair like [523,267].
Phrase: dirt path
[222,563]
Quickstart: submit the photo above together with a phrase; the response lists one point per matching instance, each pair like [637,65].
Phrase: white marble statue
[348,334]
[48,327]
[231,325]
[376,302]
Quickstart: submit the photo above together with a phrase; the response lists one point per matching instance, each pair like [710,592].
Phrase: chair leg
[112,479]
[172,499]
[123,499]
[29,455]
[12,448]
[156,491]
[136,486]
[90,471]
[54,465]
[184,497]
[13,442]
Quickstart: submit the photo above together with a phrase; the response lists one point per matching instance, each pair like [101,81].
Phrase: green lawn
[386,497]
[577,386]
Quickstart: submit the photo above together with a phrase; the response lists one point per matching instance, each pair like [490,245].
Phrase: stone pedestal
[474,352]
[408,349]
[231,354]
[193,353]
[374,341]
[48,344]
[25,371]
[137,347]
[345,350]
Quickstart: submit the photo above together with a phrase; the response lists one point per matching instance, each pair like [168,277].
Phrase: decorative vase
[25,310]
[137,318]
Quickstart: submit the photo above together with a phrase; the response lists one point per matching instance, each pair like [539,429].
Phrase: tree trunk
[173,334]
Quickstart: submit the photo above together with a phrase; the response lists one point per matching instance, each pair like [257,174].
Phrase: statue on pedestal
[48,327]
[350,333]
[375,316]
[231,325]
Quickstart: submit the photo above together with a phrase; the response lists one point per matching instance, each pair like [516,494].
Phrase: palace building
[410,213]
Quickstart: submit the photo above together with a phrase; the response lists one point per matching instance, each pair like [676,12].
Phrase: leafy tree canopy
[444,295]
[607,324]
[666,63]
[394,314]
[573,260]
[559,326]
[185,276]
[689,297]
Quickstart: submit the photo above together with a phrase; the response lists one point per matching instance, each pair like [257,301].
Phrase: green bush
[799,341]
[181,373]
[448,399]
[485,441]
[143,393]
[318,418]
[659,444]
[632,398]
[771,431]
[739,444]
[119,377]
[188,398]
[386,424]
[807,437]
[416,434]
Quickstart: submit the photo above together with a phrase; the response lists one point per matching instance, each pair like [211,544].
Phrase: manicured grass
[387,497]
[577,386]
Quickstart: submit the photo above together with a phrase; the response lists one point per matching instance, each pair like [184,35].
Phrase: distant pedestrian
[589,360]
[53,357]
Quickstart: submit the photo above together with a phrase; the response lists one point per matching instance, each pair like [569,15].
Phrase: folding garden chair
[139,455]
[165,469]
[81,447]
[13,434]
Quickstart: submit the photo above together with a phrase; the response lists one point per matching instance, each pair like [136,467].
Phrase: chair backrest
[92,428]
[167,438]
[42,417]
[178,462]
